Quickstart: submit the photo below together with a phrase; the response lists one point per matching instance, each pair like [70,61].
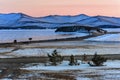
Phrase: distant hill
[23,21]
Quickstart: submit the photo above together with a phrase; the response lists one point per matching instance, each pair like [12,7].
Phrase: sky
[61,7]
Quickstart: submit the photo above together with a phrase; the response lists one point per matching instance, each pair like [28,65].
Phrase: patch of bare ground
[93,74]
[12,73]
[48,75]
[62,76]
[62,47]
[109,69]
[73,75]
[55,75]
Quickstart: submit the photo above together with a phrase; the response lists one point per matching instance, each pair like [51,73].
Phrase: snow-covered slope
[18,20]
[9,19]
[63,19]
[100,20]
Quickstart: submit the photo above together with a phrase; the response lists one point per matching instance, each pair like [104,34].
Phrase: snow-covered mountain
[100,20]
[20,20]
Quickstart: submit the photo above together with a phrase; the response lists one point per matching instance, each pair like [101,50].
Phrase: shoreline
[51,40]
[12,44]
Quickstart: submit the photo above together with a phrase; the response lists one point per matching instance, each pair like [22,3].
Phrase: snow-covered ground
[63,48]
[110,70]
[107,37]
[43,34]
[89,46]
[2,50]
[65,66]
[39,71]
[112,29]
[64,52]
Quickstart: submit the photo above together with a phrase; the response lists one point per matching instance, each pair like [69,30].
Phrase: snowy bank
[65,66]
[107,37]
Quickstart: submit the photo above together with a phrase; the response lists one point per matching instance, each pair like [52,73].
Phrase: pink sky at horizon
[61,7]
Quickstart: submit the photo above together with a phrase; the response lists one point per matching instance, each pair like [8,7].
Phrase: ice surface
[44,34]
[112,29]
[2,50]
[107,37]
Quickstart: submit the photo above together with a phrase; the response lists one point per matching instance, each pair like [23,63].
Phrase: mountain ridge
[17,20]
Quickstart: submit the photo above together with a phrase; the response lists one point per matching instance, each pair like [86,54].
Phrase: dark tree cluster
[97,60]
[55,58]
[80,29]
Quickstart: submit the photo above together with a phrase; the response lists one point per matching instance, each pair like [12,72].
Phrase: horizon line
[59,14]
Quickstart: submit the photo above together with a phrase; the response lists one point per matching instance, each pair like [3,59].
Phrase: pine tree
[73,61]
[55,58]
[98,60]
[84,58]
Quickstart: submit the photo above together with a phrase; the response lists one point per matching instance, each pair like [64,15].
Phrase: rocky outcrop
[85,29]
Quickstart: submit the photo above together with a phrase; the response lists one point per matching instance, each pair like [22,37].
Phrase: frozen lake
[43,34]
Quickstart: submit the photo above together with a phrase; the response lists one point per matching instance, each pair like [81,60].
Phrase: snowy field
[65,66]
[39,71]
[43,34]
[110,71]
[105,44]
[63,48]
[64,52]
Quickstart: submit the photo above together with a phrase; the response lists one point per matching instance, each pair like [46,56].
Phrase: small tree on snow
[73,61]
[55,58]
[98,60]
[84,58]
